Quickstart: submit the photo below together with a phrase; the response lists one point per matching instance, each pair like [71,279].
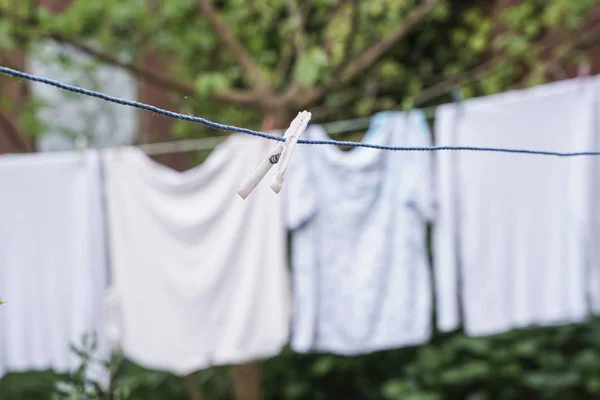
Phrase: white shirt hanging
[361,279]
[514,229]
[199,274]
[52,260]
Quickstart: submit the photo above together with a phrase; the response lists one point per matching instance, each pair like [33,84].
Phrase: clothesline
[349,125]
[181,146]
[200,144]
[231,128]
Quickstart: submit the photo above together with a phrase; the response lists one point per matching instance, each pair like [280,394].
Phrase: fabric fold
[200,276]
[52,260]
[361,280]
[512,238]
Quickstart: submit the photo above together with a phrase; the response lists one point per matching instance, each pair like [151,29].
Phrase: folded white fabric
[361,280]
[199,275]
[52,259]
[514,229]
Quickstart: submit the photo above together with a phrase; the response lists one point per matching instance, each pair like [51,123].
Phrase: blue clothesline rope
[230,128]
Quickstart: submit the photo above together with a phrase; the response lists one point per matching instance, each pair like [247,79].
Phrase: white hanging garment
[199,275]
[52,260]
[361,280]
[593,276]
[512,236]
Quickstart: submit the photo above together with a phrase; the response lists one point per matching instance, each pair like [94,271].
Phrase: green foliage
[539,363]
[209,82]
[450,40]
[310,67]
[542,363]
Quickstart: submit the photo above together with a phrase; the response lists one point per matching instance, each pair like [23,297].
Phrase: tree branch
[330,18]
[586,40]
[383,45]
[305,9]
[448,85]
[251,70]
[349,42]
[558,72]
[149,75]
[283,66]
[299,40]
[298,28]
[190,384]
[439,89]
[13,134]
[247,380]
[287,53]
[230,97]
[368,58]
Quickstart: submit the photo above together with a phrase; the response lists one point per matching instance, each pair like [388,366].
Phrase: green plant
[80,385]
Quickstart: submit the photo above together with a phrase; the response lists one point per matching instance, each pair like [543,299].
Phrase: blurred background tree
[238,61]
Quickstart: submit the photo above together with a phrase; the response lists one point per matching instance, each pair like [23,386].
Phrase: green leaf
[64,387]
[396,389]
[296,390]
[466,372]
[593,384]
[310,66]
[210,82]
[423,396]
[527,347]
[6,35]
[323,366]
[549,382]
[478,396]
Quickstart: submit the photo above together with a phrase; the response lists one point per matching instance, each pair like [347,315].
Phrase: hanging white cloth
[199,275]
[514,229]
[361,279]
[52,260]
[593,276]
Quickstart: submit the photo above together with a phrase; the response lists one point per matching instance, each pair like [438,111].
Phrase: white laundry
[199,275]
[52,260]
[361,280]
[514,229]
[593,276]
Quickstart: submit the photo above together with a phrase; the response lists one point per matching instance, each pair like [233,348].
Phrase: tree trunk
[247,380]
[192,387]
[154,127]
[12,138]
[281,119]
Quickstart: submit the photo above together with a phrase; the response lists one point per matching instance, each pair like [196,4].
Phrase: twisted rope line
[231,128]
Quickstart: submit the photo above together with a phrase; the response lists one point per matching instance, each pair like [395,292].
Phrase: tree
[236,61]
[278,56]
